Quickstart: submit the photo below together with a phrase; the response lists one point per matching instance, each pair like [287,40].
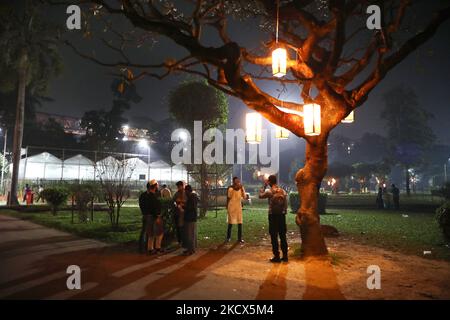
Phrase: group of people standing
[383,200]
[277,201]
[185,217]
[185,210]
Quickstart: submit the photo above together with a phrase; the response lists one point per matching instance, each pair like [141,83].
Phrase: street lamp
[145,144]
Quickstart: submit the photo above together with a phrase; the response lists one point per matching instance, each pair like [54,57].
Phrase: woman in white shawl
[235,194]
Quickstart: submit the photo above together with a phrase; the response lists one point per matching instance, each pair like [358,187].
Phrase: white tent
[78,168]
[140,169]
[40,166]
[179,172]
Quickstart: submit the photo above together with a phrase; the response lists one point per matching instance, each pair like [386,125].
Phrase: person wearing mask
[235,194]
[277,199]
[190,221]
[179,199]
[152,225]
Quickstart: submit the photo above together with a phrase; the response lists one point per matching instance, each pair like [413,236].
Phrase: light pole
[143,143]
[5,137]
[445,170]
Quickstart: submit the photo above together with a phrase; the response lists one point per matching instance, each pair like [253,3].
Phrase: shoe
[285,259]
[151,252]
[227,240]
[275,260]
[241,241]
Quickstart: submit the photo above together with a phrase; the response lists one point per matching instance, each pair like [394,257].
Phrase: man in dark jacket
[152,225]
[190,221]
[277,199]
[396,196]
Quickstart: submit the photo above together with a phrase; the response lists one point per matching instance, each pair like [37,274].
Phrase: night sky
[85,86]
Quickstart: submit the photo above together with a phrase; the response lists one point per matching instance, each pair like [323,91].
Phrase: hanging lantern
[281,133]
[311,119]
[253,127]
[279,62]
[350,118]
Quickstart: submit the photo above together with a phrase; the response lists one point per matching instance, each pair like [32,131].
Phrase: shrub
[294,202]
[55,197]
[443,219]
[82,195]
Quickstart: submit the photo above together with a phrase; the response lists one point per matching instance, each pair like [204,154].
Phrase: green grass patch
[386,229]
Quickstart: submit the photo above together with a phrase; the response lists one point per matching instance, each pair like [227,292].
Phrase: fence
[42,165]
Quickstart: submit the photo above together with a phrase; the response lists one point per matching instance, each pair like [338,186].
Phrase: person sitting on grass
[190,221]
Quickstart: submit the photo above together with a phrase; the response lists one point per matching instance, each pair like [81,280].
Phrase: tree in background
[29,58]
[333,60]
[408,131]
[363,172]
[371,147]
[104,128]
[339,171]
[114,177]
[197,101]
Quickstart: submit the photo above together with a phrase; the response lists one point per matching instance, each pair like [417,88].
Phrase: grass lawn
[387,229]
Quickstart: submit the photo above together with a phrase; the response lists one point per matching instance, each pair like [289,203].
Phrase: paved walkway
[34,259]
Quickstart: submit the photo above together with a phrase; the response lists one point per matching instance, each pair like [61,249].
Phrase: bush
[443,219]
[294,202]
[55,197]
[82,195]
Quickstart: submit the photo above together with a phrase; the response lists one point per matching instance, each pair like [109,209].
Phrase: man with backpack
[277,199]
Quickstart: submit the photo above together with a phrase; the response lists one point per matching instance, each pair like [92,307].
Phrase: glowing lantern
[350,118]
[281,133]
[253,125]
[311,119]
[279,62]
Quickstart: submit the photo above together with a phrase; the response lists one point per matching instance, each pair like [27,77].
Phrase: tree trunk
[18,128]
[408,188]
[308,183]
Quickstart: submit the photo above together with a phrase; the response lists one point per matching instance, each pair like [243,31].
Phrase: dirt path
[34,260]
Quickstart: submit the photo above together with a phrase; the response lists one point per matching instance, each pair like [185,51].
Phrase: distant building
[70,124]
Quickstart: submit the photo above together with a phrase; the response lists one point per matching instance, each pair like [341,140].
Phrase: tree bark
[308,184]
[408,188]
[18,128]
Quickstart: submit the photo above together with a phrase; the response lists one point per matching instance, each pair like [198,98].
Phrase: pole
[2,187]
[148,163]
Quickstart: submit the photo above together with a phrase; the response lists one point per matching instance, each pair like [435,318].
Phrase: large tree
[29,59]
[197,101]
[410,136]
[334,60]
